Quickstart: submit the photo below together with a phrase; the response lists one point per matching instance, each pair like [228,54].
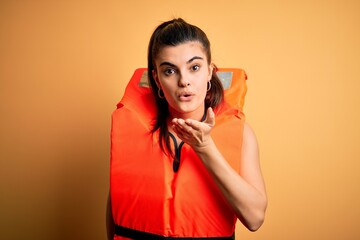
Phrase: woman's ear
[155,76]
[211,68]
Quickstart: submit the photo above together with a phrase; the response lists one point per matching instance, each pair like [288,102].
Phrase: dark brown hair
[173,33]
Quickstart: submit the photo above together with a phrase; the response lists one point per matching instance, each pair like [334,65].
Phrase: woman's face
[182,72]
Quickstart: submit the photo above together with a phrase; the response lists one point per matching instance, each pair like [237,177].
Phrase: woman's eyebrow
[167,64]
[173,65]
[194,58]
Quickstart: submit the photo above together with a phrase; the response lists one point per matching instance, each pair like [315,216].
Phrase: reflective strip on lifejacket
[138,235]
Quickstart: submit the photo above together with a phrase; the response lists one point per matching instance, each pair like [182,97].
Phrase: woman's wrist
[205,148]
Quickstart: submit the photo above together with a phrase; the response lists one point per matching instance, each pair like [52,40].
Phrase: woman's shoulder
[249,135]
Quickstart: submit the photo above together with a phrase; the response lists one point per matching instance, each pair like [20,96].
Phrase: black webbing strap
[138,235]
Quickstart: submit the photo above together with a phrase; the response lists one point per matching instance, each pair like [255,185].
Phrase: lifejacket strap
[139,235]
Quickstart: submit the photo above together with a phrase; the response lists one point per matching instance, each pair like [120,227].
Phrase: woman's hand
[195,133]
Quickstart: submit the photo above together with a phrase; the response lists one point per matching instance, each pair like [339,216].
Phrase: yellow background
[64,66]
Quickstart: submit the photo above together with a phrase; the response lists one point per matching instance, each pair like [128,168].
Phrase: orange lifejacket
[149,199]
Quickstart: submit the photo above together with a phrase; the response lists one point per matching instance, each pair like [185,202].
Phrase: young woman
[186,166]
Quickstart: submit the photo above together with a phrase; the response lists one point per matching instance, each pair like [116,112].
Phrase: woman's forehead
[183,52]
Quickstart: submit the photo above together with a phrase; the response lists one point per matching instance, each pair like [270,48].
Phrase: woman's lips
[186,96]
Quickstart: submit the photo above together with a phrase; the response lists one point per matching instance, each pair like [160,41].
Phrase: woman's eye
[169,71]
[195,67]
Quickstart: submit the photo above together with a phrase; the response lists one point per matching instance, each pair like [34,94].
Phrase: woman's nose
[184,81]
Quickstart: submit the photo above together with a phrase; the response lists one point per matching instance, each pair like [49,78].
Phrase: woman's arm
[245,192]
[110,226]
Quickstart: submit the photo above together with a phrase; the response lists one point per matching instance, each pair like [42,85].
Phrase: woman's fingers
[196,125]
[180,124]
[189,124]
